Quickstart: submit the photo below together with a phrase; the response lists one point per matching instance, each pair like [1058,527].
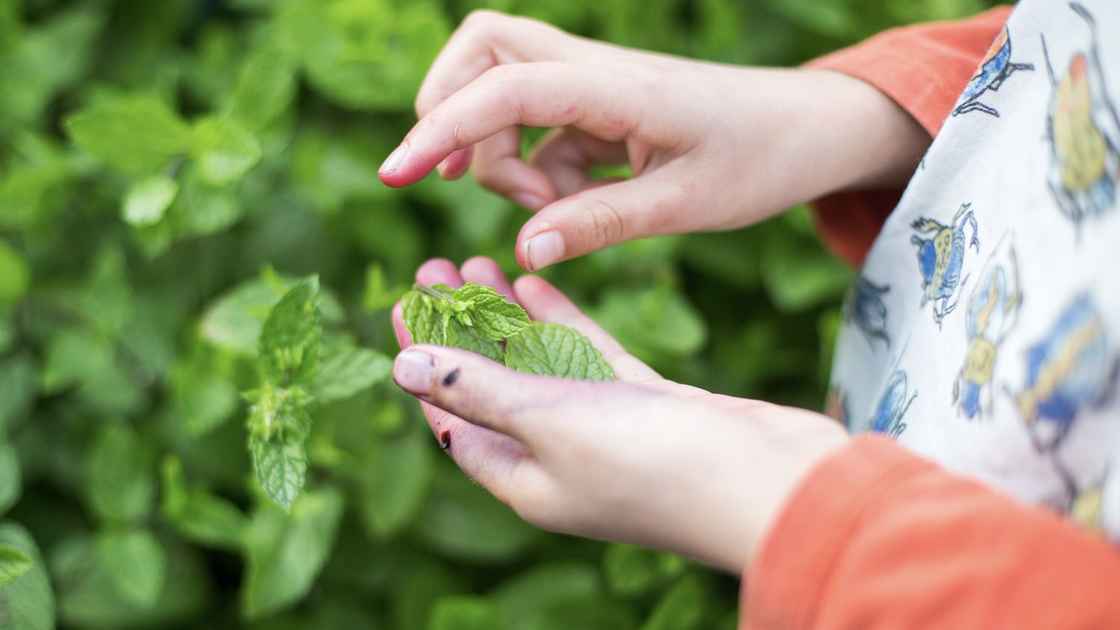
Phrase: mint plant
[475,317]
[299,368]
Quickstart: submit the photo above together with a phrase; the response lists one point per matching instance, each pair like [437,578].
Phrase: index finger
[545,94]
[486,39]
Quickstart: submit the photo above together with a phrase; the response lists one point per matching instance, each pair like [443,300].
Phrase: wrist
[850,136]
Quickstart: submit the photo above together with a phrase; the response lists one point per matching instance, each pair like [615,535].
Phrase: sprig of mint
[299,367]
[475,317]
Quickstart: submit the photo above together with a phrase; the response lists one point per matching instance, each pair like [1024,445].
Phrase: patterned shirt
[983,329]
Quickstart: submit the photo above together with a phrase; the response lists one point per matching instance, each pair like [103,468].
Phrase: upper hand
[710,146]
[640,459]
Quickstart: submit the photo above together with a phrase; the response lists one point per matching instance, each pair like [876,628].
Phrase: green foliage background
[155,156]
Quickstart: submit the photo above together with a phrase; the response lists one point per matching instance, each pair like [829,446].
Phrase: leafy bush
[170,169]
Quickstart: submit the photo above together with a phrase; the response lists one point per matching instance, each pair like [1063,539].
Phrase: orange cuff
[877,538]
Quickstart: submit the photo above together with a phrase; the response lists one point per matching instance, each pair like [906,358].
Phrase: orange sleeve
[923,68]
[877,538]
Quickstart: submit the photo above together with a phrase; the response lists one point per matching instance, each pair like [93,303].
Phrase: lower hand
[641,460]
[710,146]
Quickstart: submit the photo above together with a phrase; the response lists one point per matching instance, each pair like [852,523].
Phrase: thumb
[599,217]
[486,393]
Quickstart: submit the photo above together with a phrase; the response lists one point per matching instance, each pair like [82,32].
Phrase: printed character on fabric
[996,67]
[1074,367]
[1083,131]
[992,310]
[890,412]
[941,254]
[866,309]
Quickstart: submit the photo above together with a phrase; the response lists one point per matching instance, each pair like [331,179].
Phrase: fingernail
[413,371]
[395,159]
[544,249]
[529,200]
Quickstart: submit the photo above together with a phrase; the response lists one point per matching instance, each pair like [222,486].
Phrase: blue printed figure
[993,309]
[941,258]
[866,309]
[996,67]
[893,405]
[1083,131]
[1073,367]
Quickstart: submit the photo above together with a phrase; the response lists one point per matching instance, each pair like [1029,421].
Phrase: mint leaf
[13,563]
[26,599]
[121,488]
[264,89]
[278,428]
[433,315]
[136,562]
[489,313]
[286,552]
[224,150]
[15,277]
[132,133]
[346,369]
[148,199]
[632,570]
[289,344]
[199,515]
[10,477]
[684,607]
[556,350]
[465,612]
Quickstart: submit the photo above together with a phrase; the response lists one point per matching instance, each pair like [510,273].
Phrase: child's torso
[984,329]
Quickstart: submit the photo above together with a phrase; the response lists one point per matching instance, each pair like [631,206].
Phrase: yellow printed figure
[1083,130]
[993,308]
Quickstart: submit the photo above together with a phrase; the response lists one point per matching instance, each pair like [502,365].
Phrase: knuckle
[480,21]
[607,224]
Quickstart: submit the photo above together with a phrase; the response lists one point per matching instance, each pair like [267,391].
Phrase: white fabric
[1027,165]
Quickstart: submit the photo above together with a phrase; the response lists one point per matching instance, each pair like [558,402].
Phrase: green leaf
[365,54]
[555,350]
[653,322]
[285,552]
[631,570]
[26,600]
[198,515]
[345,369]
[278,428]
[137,564]
[132,133]
[15,277]
[377,295]
[265,88]
[89,596]
[120,481]
[289,344]
[11,477]
[148,199]
[224,150]
[18,386]
[543,588]
[465,612]
[464,521]
[428,316]
[393,482]
[13,564]
[488,312]
[281,468]
[684,607]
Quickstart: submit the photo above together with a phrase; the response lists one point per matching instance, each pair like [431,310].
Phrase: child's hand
[641,460]
[711,146]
